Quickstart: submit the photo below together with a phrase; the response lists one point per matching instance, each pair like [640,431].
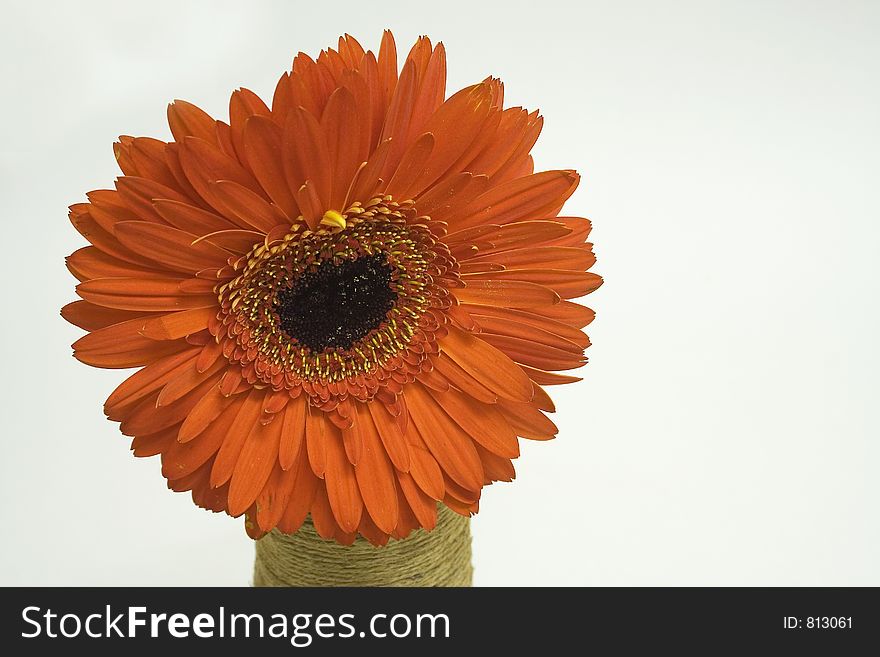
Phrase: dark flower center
[335,305]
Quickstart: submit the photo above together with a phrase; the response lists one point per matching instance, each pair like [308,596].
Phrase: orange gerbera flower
[344,305]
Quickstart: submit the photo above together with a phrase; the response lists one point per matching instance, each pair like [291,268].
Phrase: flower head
[343,305]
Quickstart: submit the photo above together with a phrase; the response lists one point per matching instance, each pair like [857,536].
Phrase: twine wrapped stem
[441,557]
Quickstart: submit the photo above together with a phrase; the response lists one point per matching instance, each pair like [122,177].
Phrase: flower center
[346,309]
[337,304]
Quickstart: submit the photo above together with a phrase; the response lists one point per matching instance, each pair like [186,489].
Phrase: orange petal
[456,376]
[436,381]
[322,513]
[424,469]
[237,240]
[306,155]
[183,458]
[392,437]
[350,50]
[230,381]
[203,164]
[186,381]
[90,262]
[490,94]
[145,417]
[370,98]
[224,140]
[316,439]
[397,118]
[534,354]
[262,144]
[483,422]
[121,344]
[569,313]
[190,218]
[567,284]
[204,495]
[496,468]
[371,532]
[495,239]
[130,357]
[489,366]
[375,474]
[452,447]
[310,204]
[528,325]
[507,293]
[387,61]
[531,197]
[456,125]
[115,338]
[274,403]
[460,493]
[422,505]
[309,85]
[580,230]
[521,163]
[148,156]
[542,400]
[106,242]
[254,465]
[274,497]
[552,257]
[281,98]
[204,282]
[342,486]
[204,413]
[367,179]
[341,126]
[141,294]
[185,119]
[294,425]
[109,207]
[353,442]
[152,444]
[243,104]
[91,317]
[528,421]
[248,207]
[523,335]
[139,194]
[246,422]
[210,353]
[301,497]
[515,134]
[178,325]
[548,378]
[172,159]
[412,166]
[170,247]
[430,66]
[358,84]
[148,380]
[450,194]
[406,520]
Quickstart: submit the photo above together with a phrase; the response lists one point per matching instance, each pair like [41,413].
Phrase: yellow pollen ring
[333,219]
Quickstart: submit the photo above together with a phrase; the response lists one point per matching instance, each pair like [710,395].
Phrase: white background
[726,430]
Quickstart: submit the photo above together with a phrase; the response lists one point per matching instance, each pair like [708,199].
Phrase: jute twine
[441,557]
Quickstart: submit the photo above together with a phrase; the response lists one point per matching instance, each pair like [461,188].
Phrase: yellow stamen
[333,218]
